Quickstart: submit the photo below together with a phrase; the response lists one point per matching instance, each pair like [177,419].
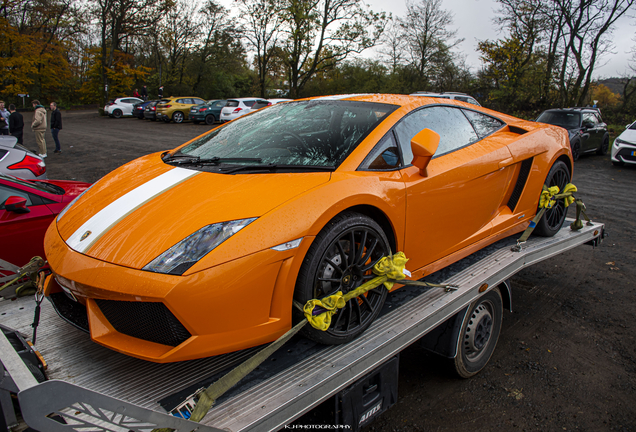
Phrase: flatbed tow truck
[92,388]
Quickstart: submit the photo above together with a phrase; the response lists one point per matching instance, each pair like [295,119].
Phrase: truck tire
[553,218]
[479,334]
[340,259]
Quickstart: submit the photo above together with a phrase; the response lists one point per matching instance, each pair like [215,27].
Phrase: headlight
[191,249]
[619,141]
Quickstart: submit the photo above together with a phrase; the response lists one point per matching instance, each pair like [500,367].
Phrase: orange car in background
[201,250]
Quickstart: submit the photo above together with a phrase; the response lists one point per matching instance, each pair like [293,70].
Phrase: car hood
[629,135]
[130,221]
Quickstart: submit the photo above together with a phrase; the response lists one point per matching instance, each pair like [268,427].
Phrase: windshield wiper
[275,167]
[196,160]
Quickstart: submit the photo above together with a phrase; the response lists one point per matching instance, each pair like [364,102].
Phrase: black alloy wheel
[553,218]
[209,119]
[602,150]
[117,113]
[341,258]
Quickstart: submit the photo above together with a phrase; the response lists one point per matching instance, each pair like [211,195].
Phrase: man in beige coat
[39,126]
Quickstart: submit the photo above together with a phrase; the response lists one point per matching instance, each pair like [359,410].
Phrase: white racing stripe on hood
[114,212]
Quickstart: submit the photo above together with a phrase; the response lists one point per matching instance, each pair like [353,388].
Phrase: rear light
[154,108]
[33,164]
[237,110]
[269,104]
[202,109]
[166,106]
[111,103]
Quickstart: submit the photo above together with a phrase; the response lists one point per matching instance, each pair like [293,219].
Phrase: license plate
[634,153]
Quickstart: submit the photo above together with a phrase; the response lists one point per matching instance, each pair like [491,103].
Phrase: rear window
[565,119]
[318,133]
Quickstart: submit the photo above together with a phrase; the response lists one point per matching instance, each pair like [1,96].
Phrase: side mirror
[16,204]
[424,145]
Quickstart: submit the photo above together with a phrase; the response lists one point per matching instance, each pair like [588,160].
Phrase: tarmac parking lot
[566,357]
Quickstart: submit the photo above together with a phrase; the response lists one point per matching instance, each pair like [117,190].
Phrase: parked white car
[121,107]
[463,97]
[624,147]
[267,102]
[235,108]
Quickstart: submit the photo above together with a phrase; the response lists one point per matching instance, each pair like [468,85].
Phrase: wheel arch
[568,162]
[380,217]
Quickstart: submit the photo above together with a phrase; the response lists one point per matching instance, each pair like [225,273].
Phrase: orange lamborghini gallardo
[203,249]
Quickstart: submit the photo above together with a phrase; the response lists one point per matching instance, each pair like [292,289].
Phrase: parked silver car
[19,162]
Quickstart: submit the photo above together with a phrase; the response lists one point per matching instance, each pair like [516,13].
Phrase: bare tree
[320,34]
[261,23]
[426,32]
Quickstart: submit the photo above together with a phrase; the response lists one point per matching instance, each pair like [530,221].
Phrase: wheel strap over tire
[389,270]
[547,200]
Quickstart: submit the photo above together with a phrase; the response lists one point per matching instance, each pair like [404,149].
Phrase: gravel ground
[566,357]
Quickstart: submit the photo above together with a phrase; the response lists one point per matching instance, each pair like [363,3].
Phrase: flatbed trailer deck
[296,379]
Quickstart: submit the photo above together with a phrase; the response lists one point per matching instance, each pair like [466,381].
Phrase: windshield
[318,133]
[39,185]
[568,120]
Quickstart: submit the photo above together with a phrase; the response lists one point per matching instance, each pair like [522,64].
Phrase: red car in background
[27,208]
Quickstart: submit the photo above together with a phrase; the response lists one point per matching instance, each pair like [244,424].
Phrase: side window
[181,101]
[249,103]
[484,125]
[451,124]
[384,156]
[6,192]
[198,101]
[590,118]
[220,104]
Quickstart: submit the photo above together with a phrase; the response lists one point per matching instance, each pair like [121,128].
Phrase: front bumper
[624,152]
[233,306]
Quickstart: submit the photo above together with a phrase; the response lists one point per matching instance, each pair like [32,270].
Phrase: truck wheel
[553,218]
[479,334]
[340,259]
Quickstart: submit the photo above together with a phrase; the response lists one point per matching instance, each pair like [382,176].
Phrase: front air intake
[151,321]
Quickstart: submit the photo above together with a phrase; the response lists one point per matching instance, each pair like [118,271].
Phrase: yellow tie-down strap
[389,270]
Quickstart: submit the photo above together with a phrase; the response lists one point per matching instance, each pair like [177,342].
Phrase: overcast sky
[473,22]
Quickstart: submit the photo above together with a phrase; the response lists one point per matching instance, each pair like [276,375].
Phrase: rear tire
[553,218]
[340,259]
[177,117]
[604,147]
[576,151]
[209,119]
[479,334]
[117,113]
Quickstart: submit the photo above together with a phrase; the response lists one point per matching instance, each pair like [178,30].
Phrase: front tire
[479,334]
[340,259]
[554,217]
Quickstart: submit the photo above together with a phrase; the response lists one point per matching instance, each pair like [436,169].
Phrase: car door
[22,234]
[454,205]
[592,126]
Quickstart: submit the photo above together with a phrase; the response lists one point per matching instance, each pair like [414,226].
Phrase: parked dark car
[150,111]
[208,112]
[139,108]
[587,131]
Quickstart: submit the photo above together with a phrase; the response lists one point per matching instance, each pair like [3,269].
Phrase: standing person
[4,117]
[144,93]
[56,126]
[136,94]
[16,123]
[39,127]
[160,92]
